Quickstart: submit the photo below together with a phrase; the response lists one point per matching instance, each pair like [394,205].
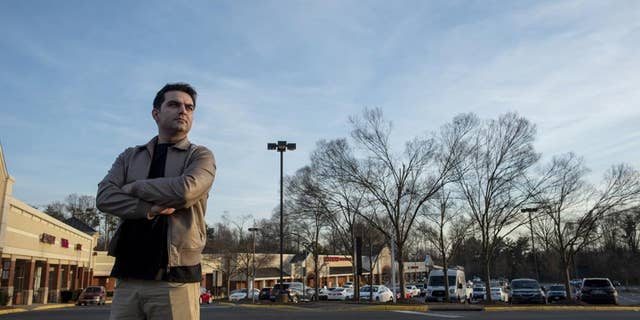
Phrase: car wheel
[377,299]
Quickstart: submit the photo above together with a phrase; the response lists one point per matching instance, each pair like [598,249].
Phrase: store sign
[336,259]
[47,238]
[64,243]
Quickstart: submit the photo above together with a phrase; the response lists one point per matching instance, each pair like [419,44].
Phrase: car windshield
[93,290]
[556,288]
[495,289]
[438,281]
[367,289]
[478,289]
[525,284]
[597,283]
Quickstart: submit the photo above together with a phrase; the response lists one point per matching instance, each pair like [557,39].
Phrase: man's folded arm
[182,191]
[113,200]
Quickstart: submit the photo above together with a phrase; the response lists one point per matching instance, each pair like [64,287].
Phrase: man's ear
[154,113]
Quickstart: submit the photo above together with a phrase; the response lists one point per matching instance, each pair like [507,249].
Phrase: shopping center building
[41,256]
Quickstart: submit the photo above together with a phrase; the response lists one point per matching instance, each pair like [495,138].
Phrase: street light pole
[281,147]
[533,246]
[253,279]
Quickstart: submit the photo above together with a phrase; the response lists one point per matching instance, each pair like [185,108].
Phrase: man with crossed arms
[159,191]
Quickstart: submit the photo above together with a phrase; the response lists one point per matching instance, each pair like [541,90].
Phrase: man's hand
[158,210]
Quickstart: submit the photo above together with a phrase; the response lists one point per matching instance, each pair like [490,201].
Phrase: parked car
[422,288]
[556,292]
[576,282]
[241,294]
[309,294]
[526,291]
[380,293]
[398,291]
[92,295]
[348,285]
[265,293]
[413,290]
[479,294]
[205,296]
[340,294]
[324,293]
[499,294]
[595,290]
[294,290]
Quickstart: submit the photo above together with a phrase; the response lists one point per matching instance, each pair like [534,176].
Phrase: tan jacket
[189,173]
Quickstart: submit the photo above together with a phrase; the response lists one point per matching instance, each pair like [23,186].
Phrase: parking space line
[429,314]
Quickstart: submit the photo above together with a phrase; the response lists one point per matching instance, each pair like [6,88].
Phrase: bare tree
[397,185]
[630,225]
[344,202]
[572,209]
[493,182]
[57,210]
[444,227]
[83,207]
[309,211]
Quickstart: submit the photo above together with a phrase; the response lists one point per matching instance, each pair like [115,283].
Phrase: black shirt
[143,248]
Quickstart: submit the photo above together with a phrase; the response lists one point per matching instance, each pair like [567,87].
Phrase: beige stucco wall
[102,264]
[23,227]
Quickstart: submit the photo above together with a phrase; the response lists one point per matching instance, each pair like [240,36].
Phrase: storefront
[40,255]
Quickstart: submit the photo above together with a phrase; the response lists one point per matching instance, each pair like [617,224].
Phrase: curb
[9,311]
[257,306]
[273,306]
[561,308]
[53,306]
[393,307]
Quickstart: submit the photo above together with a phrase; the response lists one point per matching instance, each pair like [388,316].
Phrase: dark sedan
[556,293]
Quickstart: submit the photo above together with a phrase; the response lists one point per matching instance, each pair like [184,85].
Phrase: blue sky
[77,80]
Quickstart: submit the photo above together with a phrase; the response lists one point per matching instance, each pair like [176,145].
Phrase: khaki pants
[155,300]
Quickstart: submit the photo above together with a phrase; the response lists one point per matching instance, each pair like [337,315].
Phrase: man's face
[175,115]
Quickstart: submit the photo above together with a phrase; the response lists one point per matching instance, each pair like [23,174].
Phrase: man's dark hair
[178,86]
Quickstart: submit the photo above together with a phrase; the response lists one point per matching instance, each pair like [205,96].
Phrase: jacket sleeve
[182,191]
[111,199]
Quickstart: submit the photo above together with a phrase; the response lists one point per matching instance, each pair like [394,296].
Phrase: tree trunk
[487,274]
[399,253]
[567,277]
[445,268]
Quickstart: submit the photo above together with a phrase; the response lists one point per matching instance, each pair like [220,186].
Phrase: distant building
[41,256]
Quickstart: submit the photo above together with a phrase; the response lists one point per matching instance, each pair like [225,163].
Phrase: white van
[457,285]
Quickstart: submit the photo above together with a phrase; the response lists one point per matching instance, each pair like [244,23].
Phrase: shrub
[65,296]
[4,297]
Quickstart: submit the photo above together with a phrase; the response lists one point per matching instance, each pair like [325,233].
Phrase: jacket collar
[181,145]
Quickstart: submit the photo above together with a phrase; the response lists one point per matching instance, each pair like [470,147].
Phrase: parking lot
[335,311]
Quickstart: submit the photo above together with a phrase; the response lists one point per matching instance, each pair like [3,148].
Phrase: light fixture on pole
[253,231]
[281,147]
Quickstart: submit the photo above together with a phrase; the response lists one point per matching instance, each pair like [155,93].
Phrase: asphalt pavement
[333,312]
